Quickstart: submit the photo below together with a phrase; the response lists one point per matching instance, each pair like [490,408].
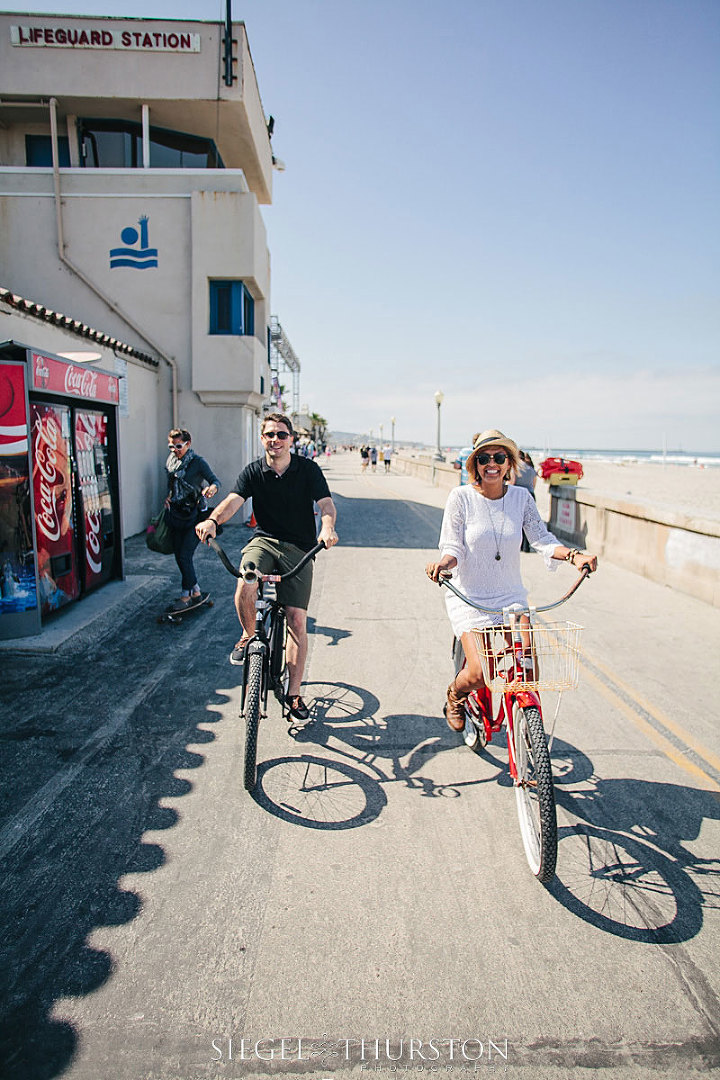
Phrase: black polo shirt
[284,505]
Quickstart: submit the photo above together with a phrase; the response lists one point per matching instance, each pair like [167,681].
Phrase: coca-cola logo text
[88,429]
[92,541]
[81,383]
[90,432]
[47,442]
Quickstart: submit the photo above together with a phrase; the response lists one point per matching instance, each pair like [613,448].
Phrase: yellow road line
[668,749]
[702,751]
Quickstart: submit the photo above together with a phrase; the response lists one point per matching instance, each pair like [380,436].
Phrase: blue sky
[513,201]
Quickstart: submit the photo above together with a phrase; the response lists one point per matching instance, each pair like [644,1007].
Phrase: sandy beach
[689,489]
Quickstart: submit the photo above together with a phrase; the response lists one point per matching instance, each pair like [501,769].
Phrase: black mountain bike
[265,666]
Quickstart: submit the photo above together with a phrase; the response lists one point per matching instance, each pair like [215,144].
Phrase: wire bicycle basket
[554,650]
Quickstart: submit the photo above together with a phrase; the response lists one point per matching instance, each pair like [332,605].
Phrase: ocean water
[631,457]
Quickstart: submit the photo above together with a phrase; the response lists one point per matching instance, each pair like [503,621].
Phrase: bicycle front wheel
[534,792]
[279,674]
[253,703]
[473,733]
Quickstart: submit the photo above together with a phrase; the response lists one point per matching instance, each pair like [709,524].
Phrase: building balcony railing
[17,180]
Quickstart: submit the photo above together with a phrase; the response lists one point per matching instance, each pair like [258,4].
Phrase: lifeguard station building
[134,158]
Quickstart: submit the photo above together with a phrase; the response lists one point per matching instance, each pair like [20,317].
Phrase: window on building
[117,144]
[232,308]
[38,150]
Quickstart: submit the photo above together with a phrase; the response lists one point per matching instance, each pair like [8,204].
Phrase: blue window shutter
[232,308]
[248,313]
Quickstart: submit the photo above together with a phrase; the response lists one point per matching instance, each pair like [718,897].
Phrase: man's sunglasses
[485,459]
[176,445]
[276,434]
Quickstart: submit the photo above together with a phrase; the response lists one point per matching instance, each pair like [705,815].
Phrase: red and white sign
[13,421]
[59,377]
[566,515]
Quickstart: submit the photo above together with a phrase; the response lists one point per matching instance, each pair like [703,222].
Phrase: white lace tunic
[474,529]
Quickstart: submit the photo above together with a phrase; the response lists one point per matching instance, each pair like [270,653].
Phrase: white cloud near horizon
[638,410]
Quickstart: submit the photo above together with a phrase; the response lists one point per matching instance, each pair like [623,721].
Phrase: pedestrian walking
[191,482]
[387,457]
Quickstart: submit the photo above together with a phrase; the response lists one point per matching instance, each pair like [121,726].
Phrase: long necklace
[498,556]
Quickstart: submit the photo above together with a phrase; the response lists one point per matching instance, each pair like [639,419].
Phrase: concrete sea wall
[672,548]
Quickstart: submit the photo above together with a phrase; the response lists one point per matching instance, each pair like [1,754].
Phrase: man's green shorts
[278,557]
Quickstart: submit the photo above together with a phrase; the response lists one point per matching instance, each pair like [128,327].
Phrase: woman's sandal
[297,707]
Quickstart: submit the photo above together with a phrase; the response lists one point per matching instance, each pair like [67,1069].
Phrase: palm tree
[319,427]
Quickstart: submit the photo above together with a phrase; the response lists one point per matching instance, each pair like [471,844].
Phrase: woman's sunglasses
[276,434]
[485,459]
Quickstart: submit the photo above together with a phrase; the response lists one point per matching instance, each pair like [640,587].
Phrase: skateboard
[176,614]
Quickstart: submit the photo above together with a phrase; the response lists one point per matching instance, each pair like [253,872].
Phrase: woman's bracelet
[570,557]
[214,521]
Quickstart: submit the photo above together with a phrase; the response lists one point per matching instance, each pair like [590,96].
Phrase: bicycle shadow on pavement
[625,866]
[365,754]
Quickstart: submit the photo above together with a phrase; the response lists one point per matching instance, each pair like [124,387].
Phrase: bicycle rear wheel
[253,702]
[534,793]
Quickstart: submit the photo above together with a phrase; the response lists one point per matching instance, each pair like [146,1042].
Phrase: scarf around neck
[178,466]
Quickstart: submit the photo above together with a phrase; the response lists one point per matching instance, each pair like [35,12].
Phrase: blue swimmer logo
[139,258]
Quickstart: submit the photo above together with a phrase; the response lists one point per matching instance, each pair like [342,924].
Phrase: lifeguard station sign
[72,37]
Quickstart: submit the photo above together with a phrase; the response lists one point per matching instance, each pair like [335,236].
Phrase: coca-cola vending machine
[70,415]
[19,607]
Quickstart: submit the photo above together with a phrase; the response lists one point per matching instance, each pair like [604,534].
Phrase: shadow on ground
[91,739]
[626,864]
[388,523]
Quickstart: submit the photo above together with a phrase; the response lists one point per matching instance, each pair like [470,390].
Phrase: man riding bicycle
[284,488]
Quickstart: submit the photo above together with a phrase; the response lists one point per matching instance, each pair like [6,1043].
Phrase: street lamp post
[392,421]
[439,397]
[381,435]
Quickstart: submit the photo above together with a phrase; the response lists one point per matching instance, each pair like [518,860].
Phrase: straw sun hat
[493,437]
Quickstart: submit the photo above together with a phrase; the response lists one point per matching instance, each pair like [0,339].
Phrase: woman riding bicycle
[480,539]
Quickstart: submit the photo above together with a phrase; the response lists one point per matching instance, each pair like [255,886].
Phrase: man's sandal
[237,656]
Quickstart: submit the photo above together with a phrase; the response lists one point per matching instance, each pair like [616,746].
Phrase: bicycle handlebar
[584,573]
[238,573]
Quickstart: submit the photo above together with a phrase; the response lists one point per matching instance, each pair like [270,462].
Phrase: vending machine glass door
[95,503]
[53,496]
